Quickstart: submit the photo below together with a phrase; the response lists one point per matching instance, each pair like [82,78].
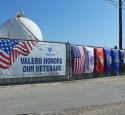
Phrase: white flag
[89,60]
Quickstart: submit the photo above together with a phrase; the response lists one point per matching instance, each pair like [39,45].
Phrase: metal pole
[120,24]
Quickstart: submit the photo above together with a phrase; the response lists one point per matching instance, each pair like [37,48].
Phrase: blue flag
[122,60]
[107,60]
[115,61]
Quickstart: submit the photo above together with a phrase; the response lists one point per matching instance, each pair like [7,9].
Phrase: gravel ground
[105,109]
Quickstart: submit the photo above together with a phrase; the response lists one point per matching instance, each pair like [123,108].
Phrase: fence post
[68,61]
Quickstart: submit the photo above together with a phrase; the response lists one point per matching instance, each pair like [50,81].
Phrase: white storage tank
[20,27]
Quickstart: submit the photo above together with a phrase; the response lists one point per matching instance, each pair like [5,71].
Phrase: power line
[121,7]
[111,3]
[115,3]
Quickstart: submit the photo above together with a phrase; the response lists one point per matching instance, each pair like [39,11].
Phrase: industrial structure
[21,27]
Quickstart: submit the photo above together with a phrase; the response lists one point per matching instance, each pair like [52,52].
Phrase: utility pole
[120,24]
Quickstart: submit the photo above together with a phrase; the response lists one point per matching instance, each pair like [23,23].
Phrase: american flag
[10,49]
[78,60]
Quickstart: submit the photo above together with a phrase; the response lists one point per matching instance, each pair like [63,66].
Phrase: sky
[80,22]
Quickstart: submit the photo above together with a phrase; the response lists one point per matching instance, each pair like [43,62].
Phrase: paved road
[46,97]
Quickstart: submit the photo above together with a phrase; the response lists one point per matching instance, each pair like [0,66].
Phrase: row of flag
[97,60]
[84,59]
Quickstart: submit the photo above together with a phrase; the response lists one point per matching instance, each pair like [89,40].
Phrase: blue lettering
[48,68]
[31,60]
[23,60]
[28,68]
[52,60]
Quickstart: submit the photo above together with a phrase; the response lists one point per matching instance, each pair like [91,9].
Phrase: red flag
[99,60]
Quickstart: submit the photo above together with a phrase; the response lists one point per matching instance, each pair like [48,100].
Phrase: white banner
[89,60]
[38,59]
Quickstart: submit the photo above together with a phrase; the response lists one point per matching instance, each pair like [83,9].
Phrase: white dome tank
[21,27]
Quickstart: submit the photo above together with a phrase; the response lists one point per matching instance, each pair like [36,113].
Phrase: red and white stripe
[78,66]
[4,60]
[23,47]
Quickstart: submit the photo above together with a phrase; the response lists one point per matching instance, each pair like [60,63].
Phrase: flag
[122,60]
[99,60]
[10,49]
[107,60]
[89,59]
[115,61]
[78,60]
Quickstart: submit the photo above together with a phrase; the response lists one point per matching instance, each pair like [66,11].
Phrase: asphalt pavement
[45,97]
